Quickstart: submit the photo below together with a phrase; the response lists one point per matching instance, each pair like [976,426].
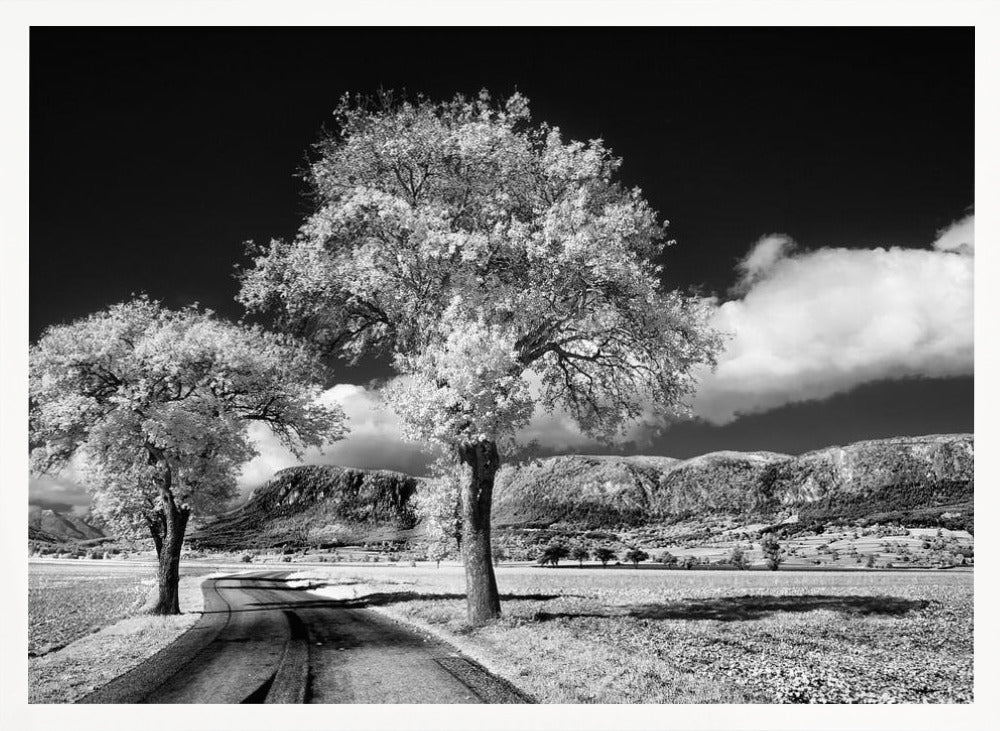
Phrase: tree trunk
[157,529]
[168,535]
[482,596]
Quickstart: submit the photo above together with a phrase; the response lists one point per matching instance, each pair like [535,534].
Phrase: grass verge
[621,636]
[85,664]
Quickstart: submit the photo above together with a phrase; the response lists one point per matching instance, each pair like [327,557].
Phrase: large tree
[155,404]
[500,267]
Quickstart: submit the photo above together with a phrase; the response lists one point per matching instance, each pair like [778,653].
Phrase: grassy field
[68,601]
[86,626]
[574,635]
[593,635]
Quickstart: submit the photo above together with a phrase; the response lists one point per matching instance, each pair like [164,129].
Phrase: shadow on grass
[395,597]
[732,609]
[275,584]
[725,609]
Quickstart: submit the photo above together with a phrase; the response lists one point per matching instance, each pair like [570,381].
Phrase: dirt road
[263,641]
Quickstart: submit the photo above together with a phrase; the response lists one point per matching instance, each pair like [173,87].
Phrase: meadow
[67,601]
[591,635]
[86,624]
[72,598]
[618,635]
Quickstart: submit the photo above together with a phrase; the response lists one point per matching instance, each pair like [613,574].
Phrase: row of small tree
[553,553]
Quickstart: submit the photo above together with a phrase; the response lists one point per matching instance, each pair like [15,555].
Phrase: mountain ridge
[316,505]
[548,491]
[52,526]
[927,480]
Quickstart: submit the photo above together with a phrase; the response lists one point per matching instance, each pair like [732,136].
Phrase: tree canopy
[155,405]
[495,262]
[500,267]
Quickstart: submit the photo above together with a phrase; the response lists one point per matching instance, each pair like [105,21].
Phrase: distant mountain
[317,505]
[51,526]
[917,478]
[919,481]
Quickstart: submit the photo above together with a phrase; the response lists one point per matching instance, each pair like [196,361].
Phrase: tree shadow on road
[379,599]
[366,600]
[725,609]
[731,609]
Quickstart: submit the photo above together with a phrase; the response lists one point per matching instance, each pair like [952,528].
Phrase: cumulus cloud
[959,236]
[761,258]
[60,493]
[374,441]
[806,325]
[63,491]
[813,324]
[556,432]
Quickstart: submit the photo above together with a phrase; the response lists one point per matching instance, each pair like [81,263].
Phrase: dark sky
[156,152]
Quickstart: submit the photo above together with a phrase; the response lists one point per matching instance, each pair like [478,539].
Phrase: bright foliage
[499,265]
[137,389]
[437,500]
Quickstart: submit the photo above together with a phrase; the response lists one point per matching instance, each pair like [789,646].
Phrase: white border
[15,18]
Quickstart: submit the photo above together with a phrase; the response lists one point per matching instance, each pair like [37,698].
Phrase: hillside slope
[316,505]
[918,477]
[52,526]
[919,481]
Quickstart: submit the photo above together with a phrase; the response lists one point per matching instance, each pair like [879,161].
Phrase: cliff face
[919,480]
[728,482]
[912,480]
[871,477]
[869,466]
[52,526]
[591,490]
[316,505]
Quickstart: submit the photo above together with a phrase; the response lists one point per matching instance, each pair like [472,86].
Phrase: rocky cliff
[316,505]
[921,481]
[870,478]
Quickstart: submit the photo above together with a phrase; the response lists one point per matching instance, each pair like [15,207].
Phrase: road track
[263,641]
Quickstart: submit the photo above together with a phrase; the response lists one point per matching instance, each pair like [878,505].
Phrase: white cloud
[63,491]
[556,431]
[58,493]
[761,258]
[817,323]
[374,441]
[959,236]
[807,326]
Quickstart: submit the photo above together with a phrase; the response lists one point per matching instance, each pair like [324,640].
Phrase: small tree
[499,555]
[635,555]
[689,562]
[580,554]
[155,405]
[604,554]
[870,561]
[738,557]
[436,551]
[668,559]
[773,553]
[553,553]
[436,503]
[501,268]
